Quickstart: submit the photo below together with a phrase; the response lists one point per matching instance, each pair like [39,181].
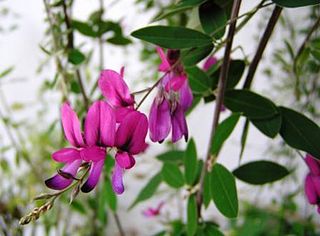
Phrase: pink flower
[312,181]
[90,146]
[130,141]
[172,101]
[209,62]
[116,92]
[152,212]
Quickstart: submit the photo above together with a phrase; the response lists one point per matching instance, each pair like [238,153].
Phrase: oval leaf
[250,104]
[296,3]
[300,132]
[269,127]
[172,37]
[190,163]
[172,175]
[260,172]
[171,156]
[192,217]
[198,80]
[192,56]
[224,191]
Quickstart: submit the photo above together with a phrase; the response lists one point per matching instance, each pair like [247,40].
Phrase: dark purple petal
[313,164]
[159,120]
[117,183]
[71,126]
[93,153]
[209,62]
[58,182]
[100,125]
[125,160]
[164,66]
[94,175]
[186,96]
[131,133]
[114,89]
[310,191]
[66,155]
[179,124]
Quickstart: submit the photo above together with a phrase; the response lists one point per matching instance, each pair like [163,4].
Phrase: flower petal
[159,120]
[58,182]
[94,175]
[100,125]
[176,81]
[313,164]
[114,89]
[93,153]
[179,125]
[117,183]
[209,62]
[186,96]
[125,160]
[71,126]
[66,155]
[310,191]
[164,66]
[122,112]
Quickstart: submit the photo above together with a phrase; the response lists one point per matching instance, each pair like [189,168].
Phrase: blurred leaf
[78,206]
[76,57]
[4,166]
[300,132]
[224,191]
[270,127]
[172,175]
[260,172]
[192,56]
[192,216]
[119,40]
[75,87]
[190,163]
[172,37]
[244,136]
[211,229]
[148,190]
[171,156]
[252,105]
[17,106]
[296,3]
[6,72]
[198,80]
[223,132]
[109,195]
[83,28]
[191,3]
[213,19]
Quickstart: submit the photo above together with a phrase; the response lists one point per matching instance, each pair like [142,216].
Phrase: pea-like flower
[89,146]
[172,101]
[153,212]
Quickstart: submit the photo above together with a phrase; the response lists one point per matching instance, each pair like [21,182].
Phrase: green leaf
[192,56]
[172,175]
[300,132]
[270,126]
[171,156]
[260,172]
[244,137]
[190,163]
[250,104]
[206,190]
[78,206]
[172,37]
[191,3]
[224,191]
[6,72]
[213,19]
[198,80]
[223,132]
[148,190]
[83,28]
[211,229]
[119,40]
[76,57]
[296,3]
[175,9]
[109,195]
[192,216]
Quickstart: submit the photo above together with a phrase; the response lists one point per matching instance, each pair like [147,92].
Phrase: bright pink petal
[149,213]
[66,155]
[159,120]
[164,66]
[59,182]
[176,81]
[313,164]
[179,125]
[186,96]
[94,175]
[125,160]
[100,125]
[122,112]
[114,89]
[310,191]
[209,62]
[117,183]
[93,153]
[71,126]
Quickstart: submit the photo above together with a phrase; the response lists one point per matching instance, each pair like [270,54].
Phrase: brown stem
[262,45]
[219,100]
[117,220]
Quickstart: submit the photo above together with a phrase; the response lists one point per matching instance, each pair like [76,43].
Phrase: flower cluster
[312,181]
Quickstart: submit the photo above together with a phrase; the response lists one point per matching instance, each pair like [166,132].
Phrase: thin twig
[262,45]
[219,100]
[117,220]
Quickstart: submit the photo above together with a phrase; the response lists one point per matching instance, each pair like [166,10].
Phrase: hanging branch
[221,90]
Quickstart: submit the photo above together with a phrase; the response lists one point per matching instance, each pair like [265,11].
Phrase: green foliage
[192,56]
[192,216]
[172,37]
[76,57]
[260,172]
[190,163]
[198,80]
[172,175]
[296,3]
[171,156]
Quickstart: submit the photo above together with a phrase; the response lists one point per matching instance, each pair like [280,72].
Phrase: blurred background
[31,91]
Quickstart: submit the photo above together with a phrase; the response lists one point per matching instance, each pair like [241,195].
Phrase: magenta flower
[209,62]
[312,181]
[90,146]
[130,141]
[152,212]
[172,101]
[116,91]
